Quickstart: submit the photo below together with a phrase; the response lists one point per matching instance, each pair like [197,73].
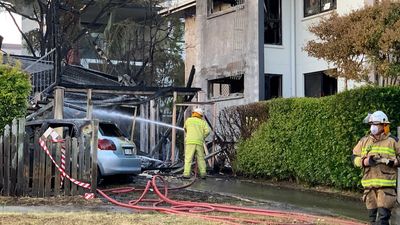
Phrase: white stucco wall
[290,59]
[277,58]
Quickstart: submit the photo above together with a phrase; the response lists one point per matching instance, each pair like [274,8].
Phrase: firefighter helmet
[199,111]
[378,117]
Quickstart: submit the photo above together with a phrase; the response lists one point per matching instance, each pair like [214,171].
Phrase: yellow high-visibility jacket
[196,130]
[379,175]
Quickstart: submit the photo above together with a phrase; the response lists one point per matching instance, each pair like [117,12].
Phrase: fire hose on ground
[166,205]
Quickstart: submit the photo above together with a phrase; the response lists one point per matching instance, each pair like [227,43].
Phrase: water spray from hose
[107,113]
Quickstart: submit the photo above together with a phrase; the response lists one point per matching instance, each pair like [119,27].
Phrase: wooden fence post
[49,170]
[42,170]
[87,165]
[35,166]
[67,183]
[173,132]
[57,172]
[74,169]
[89,105]
[93,150]
[2,181]
[27,162]
[21,146]
[81,171]
[13,155]
[6,160]
[152,127]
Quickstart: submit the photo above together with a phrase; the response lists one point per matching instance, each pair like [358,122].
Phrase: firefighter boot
[384,216]
[372,216]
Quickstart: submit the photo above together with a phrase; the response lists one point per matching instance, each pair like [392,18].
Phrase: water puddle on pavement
[287,199]
[282,198]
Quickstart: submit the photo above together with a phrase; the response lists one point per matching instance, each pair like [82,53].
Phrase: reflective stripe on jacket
[379,175]
[196,130]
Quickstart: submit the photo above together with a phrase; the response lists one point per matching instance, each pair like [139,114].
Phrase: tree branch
[22,33]
[11,8]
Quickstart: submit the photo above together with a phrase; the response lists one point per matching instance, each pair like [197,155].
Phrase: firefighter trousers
[379,198]
[190,151]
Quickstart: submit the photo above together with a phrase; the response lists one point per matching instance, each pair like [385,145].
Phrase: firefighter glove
[390,163]
[368,161]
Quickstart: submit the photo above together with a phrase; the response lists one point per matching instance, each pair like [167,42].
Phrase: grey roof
[77,75]
[28,63]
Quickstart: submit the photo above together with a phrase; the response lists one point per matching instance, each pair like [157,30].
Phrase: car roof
[77,124]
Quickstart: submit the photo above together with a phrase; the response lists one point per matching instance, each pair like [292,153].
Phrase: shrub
[14,91]
[311,140]
[239,122]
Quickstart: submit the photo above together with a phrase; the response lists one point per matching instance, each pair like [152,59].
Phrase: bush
[311,140]
[239,122]
[14,91]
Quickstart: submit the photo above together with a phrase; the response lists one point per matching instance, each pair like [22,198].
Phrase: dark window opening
[312,7]
[225,87]
[319,84]
[221,5]
[107,129]
[273,22]
[273,86]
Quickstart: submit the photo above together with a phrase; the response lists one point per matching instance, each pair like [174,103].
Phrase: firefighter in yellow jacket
[378,155]
[196,130]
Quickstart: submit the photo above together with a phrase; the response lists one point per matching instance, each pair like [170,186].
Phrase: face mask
[374,129]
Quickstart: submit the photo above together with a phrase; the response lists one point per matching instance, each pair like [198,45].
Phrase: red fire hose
[198,209]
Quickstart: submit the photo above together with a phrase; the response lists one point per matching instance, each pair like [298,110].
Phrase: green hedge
[311,140]
[14,91]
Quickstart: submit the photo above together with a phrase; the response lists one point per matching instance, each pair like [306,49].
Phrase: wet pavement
[287,198]
[232,191]
[283,198]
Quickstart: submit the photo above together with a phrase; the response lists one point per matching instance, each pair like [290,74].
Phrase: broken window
[221,5]
[273,86]
[312,7]
[319,84]
[225,87]
[273,22]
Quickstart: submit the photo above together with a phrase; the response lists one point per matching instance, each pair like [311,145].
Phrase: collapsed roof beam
[136,90]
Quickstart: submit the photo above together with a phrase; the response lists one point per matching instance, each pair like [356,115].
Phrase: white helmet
[199,111]
[378,117]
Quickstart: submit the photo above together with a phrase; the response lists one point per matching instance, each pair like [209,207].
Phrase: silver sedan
[116,154]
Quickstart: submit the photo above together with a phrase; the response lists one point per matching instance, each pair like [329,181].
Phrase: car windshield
[107,129]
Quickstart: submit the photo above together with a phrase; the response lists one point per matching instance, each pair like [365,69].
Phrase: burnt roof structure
[76,75]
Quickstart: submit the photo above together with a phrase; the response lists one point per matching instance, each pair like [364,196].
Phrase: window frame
[319,8]
[210,7]
[235,80]
[273,20]
[268,77]
[324,81]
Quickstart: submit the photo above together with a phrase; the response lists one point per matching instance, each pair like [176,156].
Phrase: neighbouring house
[11,42]
[250,50]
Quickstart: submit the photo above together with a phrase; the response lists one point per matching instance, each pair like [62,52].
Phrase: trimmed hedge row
[14,91]
[311,140]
